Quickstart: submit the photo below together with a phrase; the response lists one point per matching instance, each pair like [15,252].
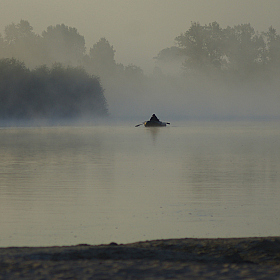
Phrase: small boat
[153,122]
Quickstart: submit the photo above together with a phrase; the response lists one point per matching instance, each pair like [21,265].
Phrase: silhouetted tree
[202,45]
[273,48]
[169,60]
[101,60]
[2,47]
[13,83]
[53,93]
[237,51]
[132,70]
[170,54]
[22,43]
[64,44]
[244,49]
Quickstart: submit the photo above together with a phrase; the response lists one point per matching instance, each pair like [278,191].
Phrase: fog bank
[210,72]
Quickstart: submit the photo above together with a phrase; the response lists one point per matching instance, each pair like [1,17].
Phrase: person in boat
[154,118]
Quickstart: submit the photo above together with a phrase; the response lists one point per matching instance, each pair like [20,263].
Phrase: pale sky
[138,29]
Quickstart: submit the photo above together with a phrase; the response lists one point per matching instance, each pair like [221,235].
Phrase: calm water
[71,185]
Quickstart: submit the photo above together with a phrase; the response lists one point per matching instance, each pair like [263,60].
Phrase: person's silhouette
[154,118]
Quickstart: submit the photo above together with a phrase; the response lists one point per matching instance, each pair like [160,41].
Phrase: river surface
[100,184]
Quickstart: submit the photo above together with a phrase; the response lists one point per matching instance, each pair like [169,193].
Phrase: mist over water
[210,73]
[180,98]
[102,184]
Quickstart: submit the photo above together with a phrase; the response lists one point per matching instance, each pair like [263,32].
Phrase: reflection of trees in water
[55,159]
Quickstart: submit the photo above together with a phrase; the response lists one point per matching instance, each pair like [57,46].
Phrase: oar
[138,124]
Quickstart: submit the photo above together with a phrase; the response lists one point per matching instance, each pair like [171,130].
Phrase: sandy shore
[230,258]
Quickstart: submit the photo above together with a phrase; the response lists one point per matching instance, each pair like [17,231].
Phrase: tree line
[48,93]
[63,44]
[54,63]
[239,51]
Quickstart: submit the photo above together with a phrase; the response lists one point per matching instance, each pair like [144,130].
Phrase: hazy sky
[138,29]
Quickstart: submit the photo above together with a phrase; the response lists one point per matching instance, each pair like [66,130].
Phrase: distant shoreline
[190,257]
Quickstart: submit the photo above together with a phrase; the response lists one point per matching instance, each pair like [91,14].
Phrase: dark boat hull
[154,124]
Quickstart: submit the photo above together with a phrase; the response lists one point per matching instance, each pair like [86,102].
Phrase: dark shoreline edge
[185,255]
[254,250]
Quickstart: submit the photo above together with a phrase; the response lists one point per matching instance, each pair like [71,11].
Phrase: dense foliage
[239,51]
[59,44]
[51,93]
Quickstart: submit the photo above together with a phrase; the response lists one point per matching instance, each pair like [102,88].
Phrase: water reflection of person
[154,118]
[154,131]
